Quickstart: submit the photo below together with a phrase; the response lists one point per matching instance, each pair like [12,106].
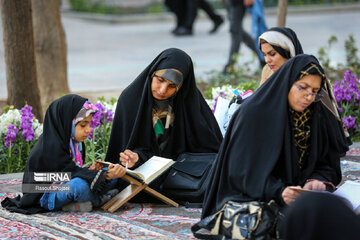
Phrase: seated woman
[280,44]
[162,113]
[290,142]
[60,149]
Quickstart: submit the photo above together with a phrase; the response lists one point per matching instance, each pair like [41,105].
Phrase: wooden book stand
[130,191]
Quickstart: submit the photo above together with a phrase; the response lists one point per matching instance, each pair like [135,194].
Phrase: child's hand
[96,166]
[115,171]
[130,157]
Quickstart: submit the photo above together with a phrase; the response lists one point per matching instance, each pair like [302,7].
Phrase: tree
[50,50]
[21,81]
[281,13]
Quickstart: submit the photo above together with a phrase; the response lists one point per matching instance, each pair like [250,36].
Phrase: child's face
[82,129]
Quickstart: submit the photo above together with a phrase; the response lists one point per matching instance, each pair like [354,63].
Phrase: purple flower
[26,123]
[109,116]
[347,90]
[100,107]
[96,120]
[11,136]
[349,122]
[101,116]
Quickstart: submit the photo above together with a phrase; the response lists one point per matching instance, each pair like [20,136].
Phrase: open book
[350,191]
[150,170]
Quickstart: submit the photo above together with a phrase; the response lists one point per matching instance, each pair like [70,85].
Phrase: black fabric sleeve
[95,179]
[273,190]
[328,168]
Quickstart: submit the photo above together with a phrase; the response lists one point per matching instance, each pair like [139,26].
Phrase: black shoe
[175,30]
[217,24]
[183,31]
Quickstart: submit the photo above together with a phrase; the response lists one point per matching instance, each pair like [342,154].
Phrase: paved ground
[106,53]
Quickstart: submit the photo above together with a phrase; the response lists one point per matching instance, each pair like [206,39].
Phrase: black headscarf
[51,153]
[258,157]
[194,130]
[282,40]
[320,216]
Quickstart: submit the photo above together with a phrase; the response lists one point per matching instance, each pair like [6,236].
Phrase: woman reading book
[291,141]
[60,149]
[162,113]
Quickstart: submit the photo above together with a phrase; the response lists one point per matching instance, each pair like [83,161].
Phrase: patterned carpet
[134,221]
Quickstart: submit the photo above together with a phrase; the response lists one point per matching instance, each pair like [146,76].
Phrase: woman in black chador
[60,149]
[290,141]
[162,113]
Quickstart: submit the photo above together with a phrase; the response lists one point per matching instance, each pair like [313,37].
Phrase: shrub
[19,131]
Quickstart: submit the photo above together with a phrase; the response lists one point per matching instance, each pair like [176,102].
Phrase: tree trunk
[50,50]
[281,13]
[21,78]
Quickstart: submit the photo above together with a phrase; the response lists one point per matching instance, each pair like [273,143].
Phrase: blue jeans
[80,192]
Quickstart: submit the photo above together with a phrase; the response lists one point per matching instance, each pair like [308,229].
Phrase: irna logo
[52,177]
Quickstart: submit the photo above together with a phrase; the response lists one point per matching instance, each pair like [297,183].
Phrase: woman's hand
[130,157]
[289,195]
[96,166]
[314,184]
[115,171]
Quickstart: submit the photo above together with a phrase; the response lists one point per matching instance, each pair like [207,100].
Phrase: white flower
[228,90]
[38,128]
[108,106]
[11,117]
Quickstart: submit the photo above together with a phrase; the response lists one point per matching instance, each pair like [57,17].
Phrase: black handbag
[188,178]
[245,220]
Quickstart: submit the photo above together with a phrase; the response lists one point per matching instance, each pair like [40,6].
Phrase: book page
[137,175]
[350,190]
[152,168]
[303,190]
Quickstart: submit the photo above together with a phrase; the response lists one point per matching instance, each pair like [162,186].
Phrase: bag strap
[203,224]
[207,223]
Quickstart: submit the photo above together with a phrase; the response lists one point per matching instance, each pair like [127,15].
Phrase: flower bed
[19,131]
[347,95]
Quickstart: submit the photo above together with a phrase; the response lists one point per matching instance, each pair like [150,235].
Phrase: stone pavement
[106,53]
